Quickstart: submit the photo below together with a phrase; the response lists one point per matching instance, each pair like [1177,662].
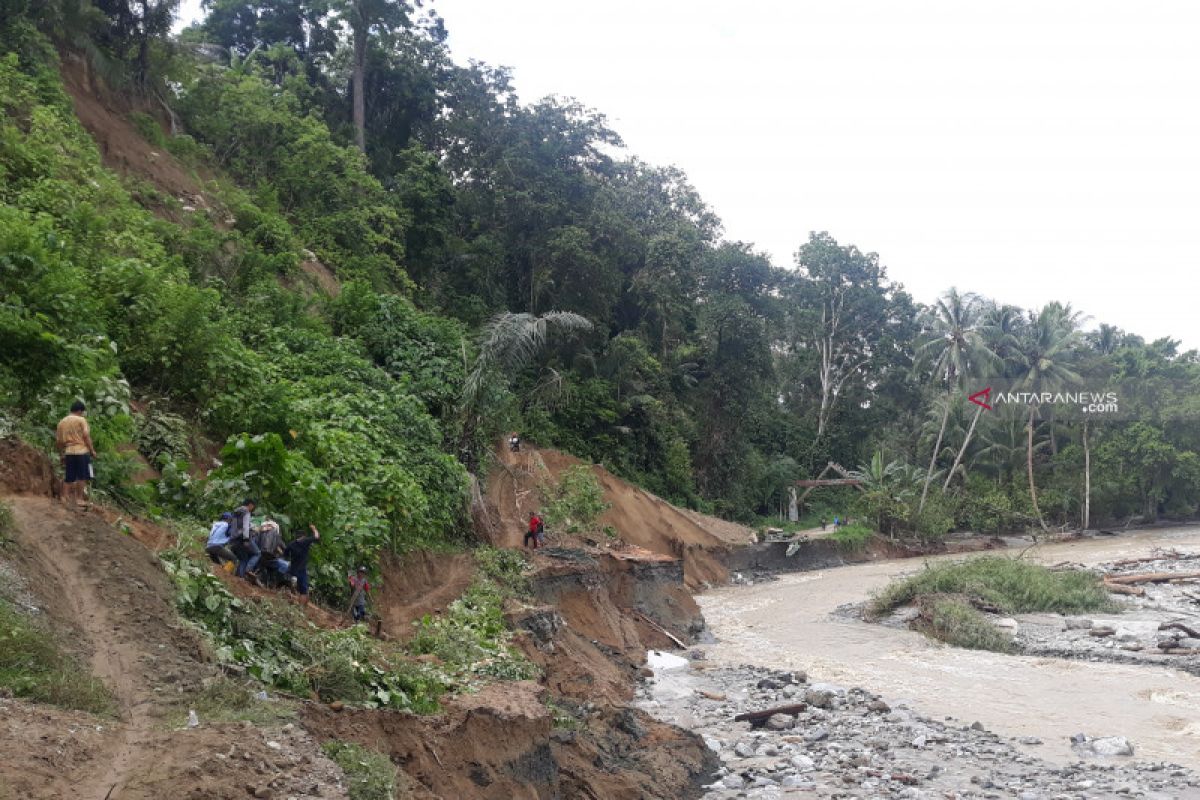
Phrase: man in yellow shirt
[73,439]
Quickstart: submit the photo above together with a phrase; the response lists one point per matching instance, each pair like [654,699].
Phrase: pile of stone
[832,741]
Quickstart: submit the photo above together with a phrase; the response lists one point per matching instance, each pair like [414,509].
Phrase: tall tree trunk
[1087,479]
[1029,468]
[933,457]
[360,105]
[962,450]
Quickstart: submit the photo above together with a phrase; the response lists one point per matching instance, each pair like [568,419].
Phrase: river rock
[744,750]
[780,722]
[819,698]
[802,763]
[1102,630]
[1111,746]
[878,706]
[733,781]
[817,734]
[1077,624]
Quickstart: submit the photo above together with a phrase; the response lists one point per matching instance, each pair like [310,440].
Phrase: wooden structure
[821,480]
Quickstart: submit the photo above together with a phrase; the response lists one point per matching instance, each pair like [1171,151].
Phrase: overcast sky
[1029,151]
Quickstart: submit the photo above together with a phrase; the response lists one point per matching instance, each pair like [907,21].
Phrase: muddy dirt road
[790,624]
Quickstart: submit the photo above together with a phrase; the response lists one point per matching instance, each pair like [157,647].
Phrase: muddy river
[789,624]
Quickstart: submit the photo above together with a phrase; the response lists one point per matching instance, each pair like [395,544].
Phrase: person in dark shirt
[297,555]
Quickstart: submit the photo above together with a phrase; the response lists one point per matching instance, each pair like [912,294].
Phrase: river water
[789,624]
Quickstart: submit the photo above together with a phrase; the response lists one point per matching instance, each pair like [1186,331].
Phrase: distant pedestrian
[360,587]
[532,533]
[824,522]
[73,438]
[514,442]
[297,555]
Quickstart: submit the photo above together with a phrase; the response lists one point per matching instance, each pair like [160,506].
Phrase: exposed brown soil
[639,517]
[122,149]
[501,743]
[108,595]
[25,470]
[417,584]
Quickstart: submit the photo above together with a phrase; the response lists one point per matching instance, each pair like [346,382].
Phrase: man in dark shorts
[297,554]
[533,532]
[73,438]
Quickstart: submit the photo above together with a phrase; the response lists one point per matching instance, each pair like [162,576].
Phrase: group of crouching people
[258,553]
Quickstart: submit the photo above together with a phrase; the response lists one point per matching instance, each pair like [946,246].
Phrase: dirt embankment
[639,517]
[571,735]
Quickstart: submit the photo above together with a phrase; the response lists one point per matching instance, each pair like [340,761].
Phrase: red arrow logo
[986,394]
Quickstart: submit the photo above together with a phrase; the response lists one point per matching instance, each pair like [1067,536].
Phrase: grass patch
[1004,584]
[34,667]
[7,524]
[853,538]
[226,700]
[369,775]
[952,619]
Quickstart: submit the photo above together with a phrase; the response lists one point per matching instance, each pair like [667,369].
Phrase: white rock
[658,660]
[733,781]
[1111,746]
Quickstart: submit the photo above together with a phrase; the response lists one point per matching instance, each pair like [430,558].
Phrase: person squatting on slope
[535,530]
[272,567]
[360,587]
[218,539]
[73,438]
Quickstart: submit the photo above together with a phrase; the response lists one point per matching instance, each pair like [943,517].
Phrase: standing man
[360,587]
[73,438]
[297,555]
[531,535]
[241,540]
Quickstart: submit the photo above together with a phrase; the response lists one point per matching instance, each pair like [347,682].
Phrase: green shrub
[1009,585]
[33,666]
[149,129]
[853,538]
[573,504]
[471,638]
[369,775]
[953,620]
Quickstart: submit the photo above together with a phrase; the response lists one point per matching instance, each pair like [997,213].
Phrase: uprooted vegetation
[951,597]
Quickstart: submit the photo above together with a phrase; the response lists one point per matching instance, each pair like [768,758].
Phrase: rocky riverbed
[846,742]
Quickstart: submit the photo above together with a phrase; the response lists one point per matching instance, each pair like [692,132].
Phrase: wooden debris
[660,629]
[1117,588]
[1179,626]
[759,718]
[711,695]
[1152,577]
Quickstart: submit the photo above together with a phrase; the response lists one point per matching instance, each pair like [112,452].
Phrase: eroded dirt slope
[639,517]
[109,596]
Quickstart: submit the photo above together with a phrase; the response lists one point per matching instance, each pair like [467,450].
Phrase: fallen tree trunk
[1179,626]
[759,718]
[660,629]
[1152,577]
[1117,588]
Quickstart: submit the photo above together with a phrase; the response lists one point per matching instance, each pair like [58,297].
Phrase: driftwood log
[1152,577]
[1117,588]
[1179,626]
[759,718]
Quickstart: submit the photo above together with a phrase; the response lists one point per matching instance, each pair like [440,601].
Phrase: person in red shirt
[533,534]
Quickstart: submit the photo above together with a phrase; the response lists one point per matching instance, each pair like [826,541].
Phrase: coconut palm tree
[508,342]
[951,349]
[1048,352]
[997,333]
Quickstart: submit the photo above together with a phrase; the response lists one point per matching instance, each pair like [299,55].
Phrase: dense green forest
[503,265]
